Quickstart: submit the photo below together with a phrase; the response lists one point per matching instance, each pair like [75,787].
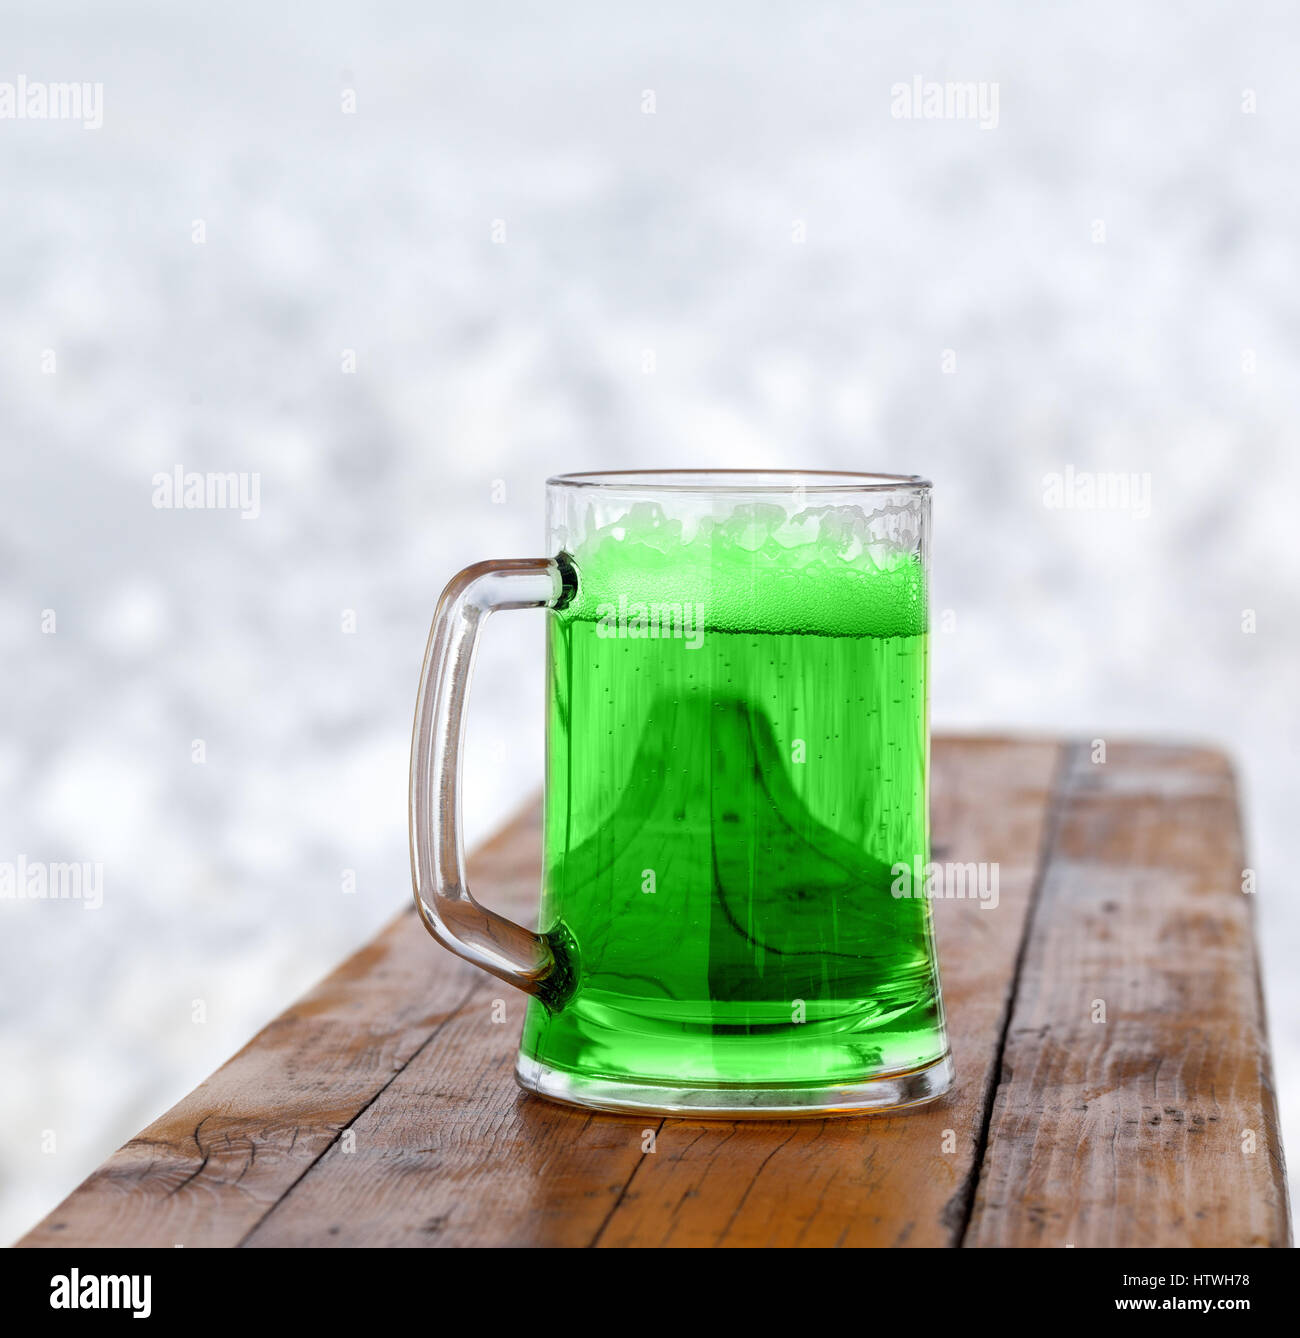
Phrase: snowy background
[1169,348]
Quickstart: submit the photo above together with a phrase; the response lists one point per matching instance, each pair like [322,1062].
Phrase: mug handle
[442,896]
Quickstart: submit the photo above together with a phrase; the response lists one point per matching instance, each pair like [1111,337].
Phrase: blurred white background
[478,361]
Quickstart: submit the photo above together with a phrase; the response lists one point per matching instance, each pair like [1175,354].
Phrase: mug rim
[740,480]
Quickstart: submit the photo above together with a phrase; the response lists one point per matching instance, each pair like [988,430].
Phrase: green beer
[736,767]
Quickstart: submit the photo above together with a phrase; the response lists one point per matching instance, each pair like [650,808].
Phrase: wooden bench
[380,1110]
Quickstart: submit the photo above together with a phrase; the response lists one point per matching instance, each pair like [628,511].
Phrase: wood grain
[1157,1125]
[881,1180]
[494,1166]
[216,1163]
[381,1110]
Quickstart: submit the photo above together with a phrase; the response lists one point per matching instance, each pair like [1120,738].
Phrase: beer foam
[835,571]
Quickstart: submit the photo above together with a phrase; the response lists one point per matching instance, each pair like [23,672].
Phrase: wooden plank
[905,1179]
[1158,1125]
[450,1154]
[453,1153]
[211,1168]
[380,1110]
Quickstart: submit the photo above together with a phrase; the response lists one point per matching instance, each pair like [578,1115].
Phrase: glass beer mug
[736,806]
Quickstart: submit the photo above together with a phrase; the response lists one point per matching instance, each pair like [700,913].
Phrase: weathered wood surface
[380,1110]
[905,1179]
[1136,1104]
[216,1164]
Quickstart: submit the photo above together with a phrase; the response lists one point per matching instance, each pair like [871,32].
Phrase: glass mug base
[882,1092]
